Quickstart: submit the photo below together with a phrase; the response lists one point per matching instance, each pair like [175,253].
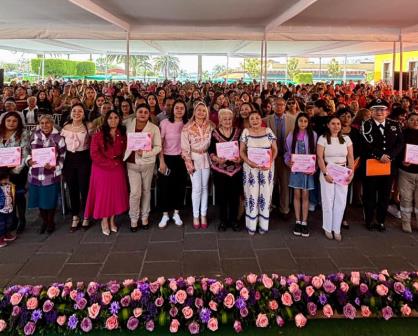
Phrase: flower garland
[196,304]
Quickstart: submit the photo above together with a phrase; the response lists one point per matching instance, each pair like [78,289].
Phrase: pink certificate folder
[10,156]
[227,150]
[139,141]
[42,156]
[303,163]
[260,156]
[339,174]
[411,154]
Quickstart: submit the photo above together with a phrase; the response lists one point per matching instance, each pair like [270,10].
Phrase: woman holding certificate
[195,141]
[226,167]
[108,191]
[14,142]
[258,150]
[335,160]
[144,144]
[45,161]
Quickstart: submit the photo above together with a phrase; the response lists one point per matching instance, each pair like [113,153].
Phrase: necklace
[78,128]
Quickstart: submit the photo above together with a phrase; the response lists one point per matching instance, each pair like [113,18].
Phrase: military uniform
[377,189]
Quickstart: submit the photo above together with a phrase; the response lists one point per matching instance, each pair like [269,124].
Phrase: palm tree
[167,64]
[135,61]
[145,64]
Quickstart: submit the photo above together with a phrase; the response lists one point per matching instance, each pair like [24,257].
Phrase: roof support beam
[71,46]
[156,46]
[325,48]
[102,13]
[240,46]
[290,13]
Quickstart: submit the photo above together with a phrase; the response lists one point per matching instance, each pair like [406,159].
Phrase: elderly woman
[44,180]
[141,165]
[195,141]
[258,179]
[226,171]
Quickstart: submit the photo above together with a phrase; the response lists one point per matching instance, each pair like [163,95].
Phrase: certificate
[42,156]
[10,156]
[260,156]
[303,163]
[139,141]
[411,154]
[227,150]
[340,174]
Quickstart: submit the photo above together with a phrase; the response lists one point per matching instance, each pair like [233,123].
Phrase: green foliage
[334,68]
[292,68]
[252,67]
[86,69]
[167,64]
[303,78]
[218,69]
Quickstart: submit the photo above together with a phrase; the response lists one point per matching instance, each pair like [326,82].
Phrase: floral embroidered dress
[258,184]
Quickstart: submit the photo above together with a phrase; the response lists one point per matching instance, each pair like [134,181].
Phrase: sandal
[74,224]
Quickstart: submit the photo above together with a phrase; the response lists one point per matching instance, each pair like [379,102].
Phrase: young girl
[7,193]
[301,141]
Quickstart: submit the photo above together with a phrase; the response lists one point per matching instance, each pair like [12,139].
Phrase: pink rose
[329,286]
[327,311]
[32,303]
[365,311]
[251,278]
[159,301]
[363,288]
[300,320]
[283,281]
[3,325]
[267,282]
[344,287]
[280,321]
[93,310]
[215,287]
[15,299]
[174,326]
[309,291]
[382,277]
[399,287]
[190,290]
[229,301]
[47,306]
[287,299]
[190,280]
[127,282]
[382,290]
[237,326]
[415,285]
[387,313]
[154,286]
[262,321]
[239,285]
[181,296]
[187,312]
[136,295]
[273,305]
[150,325]
[73,295]
[293,287]
[61,320]
[244,293]
[213,324]
[53,292]
[173,311]
[112,323]
[213,305]
[292,278]
[173,285]
[257,295]
[161,281]
[198,302]
[405,310]
[317,282]
[385,272]
[137,312]
[355,278]
[106,298]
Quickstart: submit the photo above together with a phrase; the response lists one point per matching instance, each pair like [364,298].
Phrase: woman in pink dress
[108,193]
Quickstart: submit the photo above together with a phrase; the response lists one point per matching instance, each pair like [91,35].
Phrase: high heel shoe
[203,222]
[105,228]
[75,224]
[113,227]
[196,223]
[86,224]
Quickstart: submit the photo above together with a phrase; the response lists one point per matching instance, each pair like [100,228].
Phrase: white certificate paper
[10,156]
[411,154]
[260,156]
[303,163]
[139,141]
[42,156]
[339,174]
[227,150]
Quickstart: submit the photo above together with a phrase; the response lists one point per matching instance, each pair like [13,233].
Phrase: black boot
[51,224]
[44,216]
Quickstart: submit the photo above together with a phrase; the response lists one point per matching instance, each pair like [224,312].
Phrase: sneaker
[297,231]
[394,211]
[2,242]
[163,222]
[177,220]
[9,237]
[305,229]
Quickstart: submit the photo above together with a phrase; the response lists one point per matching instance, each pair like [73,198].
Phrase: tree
[334,68]
[252,66]
[144,64]
[292,68]
[134,61]
[167,64]
[218,69]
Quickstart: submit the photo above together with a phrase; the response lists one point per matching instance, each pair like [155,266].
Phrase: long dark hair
[328,132]
[171,117]
[309,131]
[70,120]
[19,129]
[107,138]
[157,105]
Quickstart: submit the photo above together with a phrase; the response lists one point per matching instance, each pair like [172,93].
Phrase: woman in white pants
[333,147]
[195,142]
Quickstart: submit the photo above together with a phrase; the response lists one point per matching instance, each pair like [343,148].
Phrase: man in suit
[381,140]
[281,124]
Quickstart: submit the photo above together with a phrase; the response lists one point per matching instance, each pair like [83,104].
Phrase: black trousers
[227,192]
[172,187]
[77,167]
[376,196]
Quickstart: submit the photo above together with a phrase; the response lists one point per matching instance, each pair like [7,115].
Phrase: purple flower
[114,308]
[357,301]
[194,328]
[205,315]
[132,323]
[312,308]
[172,299]
[81,303]
[149,325]
[387,313]
[323,299]
[125,301]
[36,315]
[240,303]
[243,312]
[36,290]
[349,311]
[92,288]
[364,288]
[48,305]
[408,296]
[297,295]
[72,322]
[173,312]
[113,287]
[16,311]
[86,325]
[29,328]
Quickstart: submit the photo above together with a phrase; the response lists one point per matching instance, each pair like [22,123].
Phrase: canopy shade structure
[216,27]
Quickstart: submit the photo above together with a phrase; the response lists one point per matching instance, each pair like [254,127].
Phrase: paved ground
[35,258]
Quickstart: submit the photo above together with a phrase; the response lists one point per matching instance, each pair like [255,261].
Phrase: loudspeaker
[1,78]
[405,81]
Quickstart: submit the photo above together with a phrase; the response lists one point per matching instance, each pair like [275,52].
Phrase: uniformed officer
[381,140]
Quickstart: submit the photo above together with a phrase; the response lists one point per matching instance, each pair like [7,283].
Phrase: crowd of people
[244,138]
